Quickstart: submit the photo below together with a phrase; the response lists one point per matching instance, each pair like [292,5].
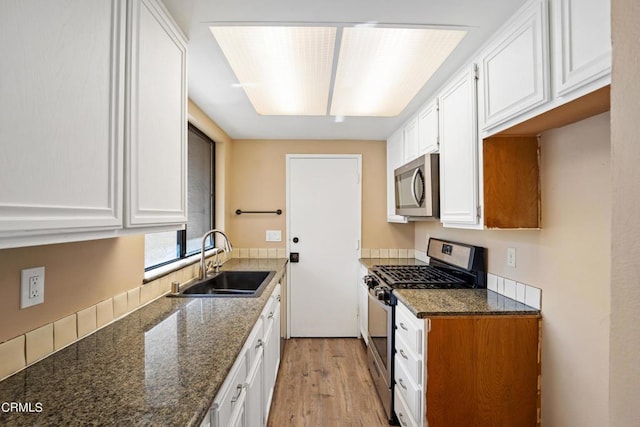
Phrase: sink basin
[229,284]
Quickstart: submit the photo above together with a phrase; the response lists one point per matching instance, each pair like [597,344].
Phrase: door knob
[296,240]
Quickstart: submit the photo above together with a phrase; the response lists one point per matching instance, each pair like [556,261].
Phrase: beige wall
[569,259]
[77,275]
[258,182]
[625,253]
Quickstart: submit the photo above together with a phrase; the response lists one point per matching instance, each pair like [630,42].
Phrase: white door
[324,229]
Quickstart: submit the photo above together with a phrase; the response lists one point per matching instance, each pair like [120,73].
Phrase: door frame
[288,158]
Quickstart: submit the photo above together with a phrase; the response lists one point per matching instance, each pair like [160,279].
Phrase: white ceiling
[211,78]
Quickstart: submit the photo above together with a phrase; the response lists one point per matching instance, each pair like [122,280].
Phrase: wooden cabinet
[469,370]
[581,31]
[61,117]
[428,128]
[119,96]
[459,152]
[156,161]
[515,69]
[395,159]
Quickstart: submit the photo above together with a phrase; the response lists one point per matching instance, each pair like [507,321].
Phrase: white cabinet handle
[403,354]
[270,316]
[238,393]
[260,343]
[278,298]
[402,384]
[403,326]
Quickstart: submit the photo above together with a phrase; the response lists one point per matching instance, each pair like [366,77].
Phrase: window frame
[181,235]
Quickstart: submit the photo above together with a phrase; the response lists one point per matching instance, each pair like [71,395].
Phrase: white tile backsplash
[492,282]
[520,292]
[533,297]
[510,289]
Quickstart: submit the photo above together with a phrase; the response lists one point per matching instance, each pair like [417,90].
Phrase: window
[165,247]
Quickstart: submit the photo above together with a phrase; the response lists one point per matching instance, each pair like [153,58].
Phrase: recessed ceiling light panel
[380,70]
[283,70]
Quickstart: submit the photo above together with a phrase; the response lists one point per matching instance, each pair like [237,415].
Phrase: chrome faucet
[227,248]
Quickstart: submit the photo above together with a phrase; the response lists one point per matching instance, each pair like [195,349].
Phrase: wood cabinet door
[157,130]
[582,44]
[515,69]
[61,117]
[459,152]
[428,129]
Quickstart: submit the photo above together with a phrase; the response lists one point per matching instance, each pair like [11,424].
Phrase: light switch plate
[31,286]
[511,257]
[274,236]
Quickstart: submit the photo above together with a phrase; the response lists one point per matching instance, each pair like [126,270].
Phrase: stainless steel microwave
[417,186]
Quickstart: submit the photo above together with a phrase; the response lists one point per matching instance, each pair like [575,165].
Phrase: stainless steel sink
[229,284]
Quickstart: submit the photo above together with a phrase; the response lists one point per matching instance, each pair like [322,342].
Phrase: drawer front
[410,329]
[411,393]
[255,343]
[411,363]
[402,412]
[231,393]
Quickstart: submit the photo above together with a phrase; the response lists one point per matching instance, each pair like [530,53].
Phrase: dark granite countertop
[161,365]
[452,302]
[461,302]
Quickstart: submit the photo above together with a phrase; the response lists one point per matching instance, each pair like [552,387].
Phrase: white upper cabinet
[581,32]
[61,105]
[459,152]
[157,131]
[428,128]
[63,141]
[515,67]
[395,159]
[411,140]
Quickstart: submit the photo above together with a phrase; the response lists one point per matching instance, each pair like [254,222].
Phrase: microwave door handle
[413,187]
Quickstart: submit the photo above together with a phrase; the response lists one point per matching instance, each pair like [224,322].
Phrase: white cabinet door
[428,129]
[254,404]
[363,307]
[411,140]
[582,44]
[271,349]
[459,152]
[61,116]
[157,131]
[395,158]
[515,69]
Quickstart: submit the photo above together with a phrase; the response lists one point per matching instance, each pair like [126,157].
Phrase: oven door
[380,331]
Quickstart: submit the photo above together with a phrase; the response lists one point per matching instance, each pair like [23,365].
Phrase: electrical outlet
[32,287]
[511,257]
[273,236]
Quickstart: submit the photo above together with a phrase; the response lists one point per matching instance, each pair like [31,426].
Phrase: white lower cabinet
[246,394]
[363,304]
[409,389]
[229,403]
[271,349]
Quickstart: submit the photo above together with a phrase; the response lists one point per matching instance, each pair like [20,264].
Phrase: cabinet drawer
[411,393]
[255,343]
[402,412]
[231,393]
[411,363]
[410,329]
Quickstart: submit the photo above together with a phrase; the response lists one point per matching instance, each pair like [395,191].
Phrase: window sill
[156,273]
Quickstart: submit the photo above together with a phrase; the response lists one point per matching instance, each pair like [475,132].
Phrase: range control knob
[381,293]
[370,281]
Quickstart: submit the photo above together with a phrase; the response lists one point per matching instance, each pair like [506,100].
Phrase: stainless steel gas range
[451,266]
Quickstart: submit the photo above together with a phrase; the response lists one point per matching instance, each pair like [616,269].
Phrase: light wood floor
[325,382]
